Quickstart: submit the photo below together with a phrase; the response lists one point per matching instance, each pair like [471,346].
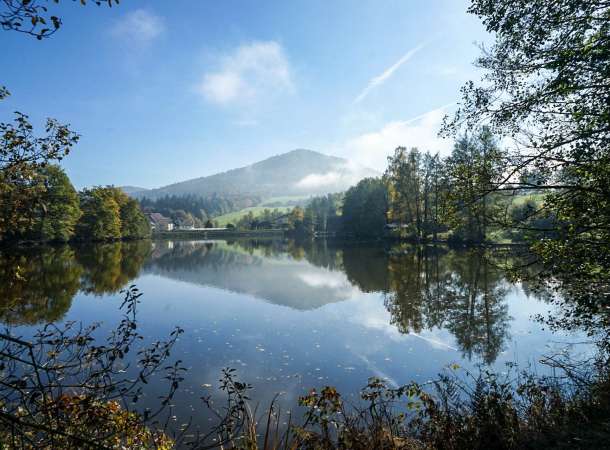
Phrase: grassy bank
[235,216]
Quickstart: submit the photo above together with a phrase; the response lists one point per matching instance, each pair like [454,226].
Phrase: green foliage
[61,209]
[417,190]
[134,225]
[21,191]
[49,209]
[20,149]
[23,156]
[545,85]
[197,209]
[474,168]
[245,218]
[45,207]
[529,220]
[364,208]
[403,177]
[296,220]
[101,219]
[109,214]
[322,214]
[37,200]
[33,18]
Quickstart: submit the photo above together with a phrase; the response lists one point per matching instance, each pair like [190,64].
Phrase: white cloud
[372,149]
[380,79]
[222,87]
[369,312]
[138,27]
[248,72]
[339,179]
[332,280]
[319,180]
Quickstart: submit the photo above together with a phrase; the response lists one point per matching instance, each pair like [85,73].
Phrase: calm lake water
[289,317]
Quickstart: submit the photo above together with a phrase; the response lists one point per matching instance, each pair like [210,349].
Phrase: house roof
[159,218]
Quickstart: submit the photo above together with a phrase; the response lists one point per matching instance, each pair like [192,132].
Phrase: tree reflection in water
[461,291]
[424,288]
[37,284]
[109,267]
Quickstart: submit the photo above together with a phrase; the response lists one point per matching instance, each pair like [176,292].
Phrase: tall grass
[457,411]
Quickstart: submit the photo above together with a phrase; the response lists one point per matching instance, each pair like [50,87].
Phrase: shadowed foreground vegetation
[64,389]
[464,292]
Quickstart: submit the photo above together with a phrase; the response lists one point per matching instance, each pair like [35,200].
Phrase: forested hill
[299,172]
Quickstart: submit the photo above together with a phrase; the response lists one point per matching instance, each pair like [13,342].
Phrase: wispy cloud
[319,180]
[138,27]
[372,149]
[343,176]
[248,72]
[380,79]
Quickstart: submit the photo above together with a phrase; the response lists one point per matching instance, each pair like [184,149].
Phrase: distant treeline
[44,206]
[196,210]
[424,197]
[268,219]
[420,197]
[323,211]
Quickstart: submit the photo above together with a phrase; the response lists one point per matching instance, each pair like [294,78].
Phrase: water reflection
[109,267]
[279,272]
[37,285]
[423,289]
[463,292]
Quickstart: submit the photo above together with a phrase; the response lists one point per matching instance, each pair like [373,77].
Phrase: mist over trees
[424,197]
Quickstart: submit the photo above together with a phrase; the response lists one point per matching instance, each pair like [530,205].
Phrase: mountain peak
[303,151]
[297,172]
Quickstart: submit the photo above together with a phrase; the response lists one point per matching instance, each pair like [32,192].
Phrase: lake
[289,316]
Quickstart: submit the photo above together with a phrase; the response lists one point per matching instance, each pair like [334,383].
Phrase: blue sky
[165,91]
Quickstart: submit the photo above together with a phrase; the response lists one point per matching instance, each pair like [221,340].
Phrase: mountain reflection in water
[423,288]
